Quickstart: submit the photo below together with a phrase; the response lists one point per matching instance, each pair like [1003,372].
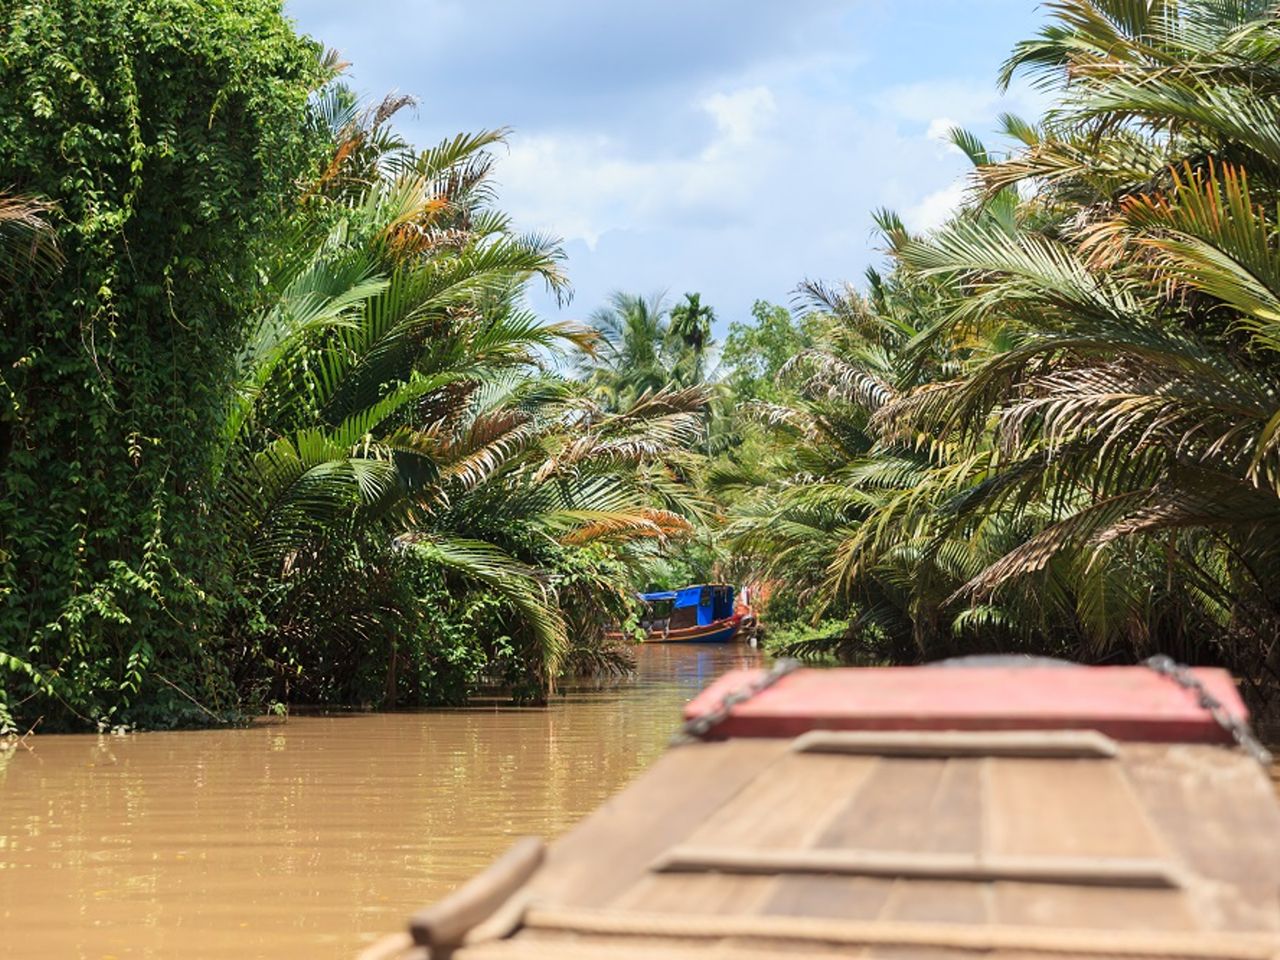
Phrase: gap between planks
[1046,744]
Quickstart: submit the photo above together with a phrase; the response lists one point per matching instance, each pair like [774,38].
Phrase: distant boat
[701,613]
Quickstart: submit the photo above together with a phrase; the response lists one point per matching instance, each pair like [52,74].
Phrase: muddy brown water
[306,838]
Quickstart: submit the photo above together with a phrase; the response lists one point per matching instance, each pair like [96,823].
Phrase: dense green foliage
[168,137]
[280,428]
[1052,427]
[755,354]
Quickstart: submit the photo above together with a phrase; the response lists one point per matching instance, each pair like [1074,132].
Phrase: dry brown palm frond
[489,444]
[933,408]
[389,106]
[332,64]
[611,452]
[1194,497]
[27,241]
[619,526]
[796,421]
[1134,405]
[839,378]
[578,335]
[359,145]
[661,403]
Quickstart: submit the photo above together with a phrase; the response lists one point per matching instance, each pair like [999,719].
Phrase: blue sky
[733,147]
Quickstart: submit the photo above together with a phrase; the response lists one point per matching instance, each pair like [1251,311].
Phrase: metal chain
[1181,675]
[698,727]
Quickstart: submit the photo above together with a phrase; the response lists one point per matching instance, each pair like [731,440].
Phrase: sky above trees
[735,147]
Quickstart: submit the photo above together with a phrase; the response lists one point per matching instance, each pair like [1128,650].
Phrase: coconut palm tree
[634,353]
[691,321]
[392,416]
[646,346]
[1100,386]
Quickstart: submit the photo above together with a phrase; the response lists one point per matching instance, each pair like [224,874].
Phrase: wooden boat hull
[722,631]
[1079,814]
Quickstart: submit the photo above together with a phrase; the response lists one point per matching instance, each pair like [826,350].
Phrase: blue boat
[701,613]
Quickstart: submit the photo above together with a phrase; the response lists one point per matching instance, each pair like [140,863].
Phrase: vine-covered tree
[169,140]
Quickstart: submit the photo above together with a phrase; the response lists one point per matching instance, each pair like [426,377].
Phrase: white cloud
[940,127]
[942,104]
[774,182]
[741,115]
[779,187]
[934,208]
[732,148]
[774,160]
[576,186]
[582,186]
[924,101]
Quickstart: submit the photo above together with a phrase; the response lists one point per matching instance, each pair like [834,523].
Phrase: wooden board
[1147,804]
[1127,703]
[612,849]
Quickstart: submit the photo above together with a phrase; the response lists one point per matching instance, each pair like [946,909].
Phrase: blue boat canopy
[714,601]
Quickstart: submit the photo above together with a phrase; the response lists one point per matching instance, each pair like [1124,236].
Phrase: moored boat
[701,613]
[995,812]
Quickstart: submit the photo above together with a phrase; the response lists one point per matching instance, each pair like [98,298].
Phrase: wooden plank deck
[860,828]
[1200,820]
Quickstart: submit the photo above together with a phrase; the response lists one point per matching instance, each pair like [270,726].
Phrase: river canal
[306,838]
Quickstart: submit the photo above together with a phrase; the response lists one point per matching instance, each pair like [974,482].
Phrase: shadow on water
[310,837]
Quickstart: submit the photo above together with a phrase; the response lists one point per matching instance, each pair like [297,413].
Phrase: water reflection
[309,837]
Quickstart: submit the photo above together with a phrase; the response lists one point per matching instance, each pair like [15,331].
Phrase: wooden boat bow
[864,813]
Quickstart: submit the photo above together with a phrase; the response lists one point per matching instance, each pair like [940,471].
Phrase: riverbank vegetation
[278,426]
[1051,426]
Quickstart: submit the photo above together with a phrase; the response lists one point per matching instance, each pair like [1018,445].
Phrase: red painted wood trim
[683,633]
[1127,703]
